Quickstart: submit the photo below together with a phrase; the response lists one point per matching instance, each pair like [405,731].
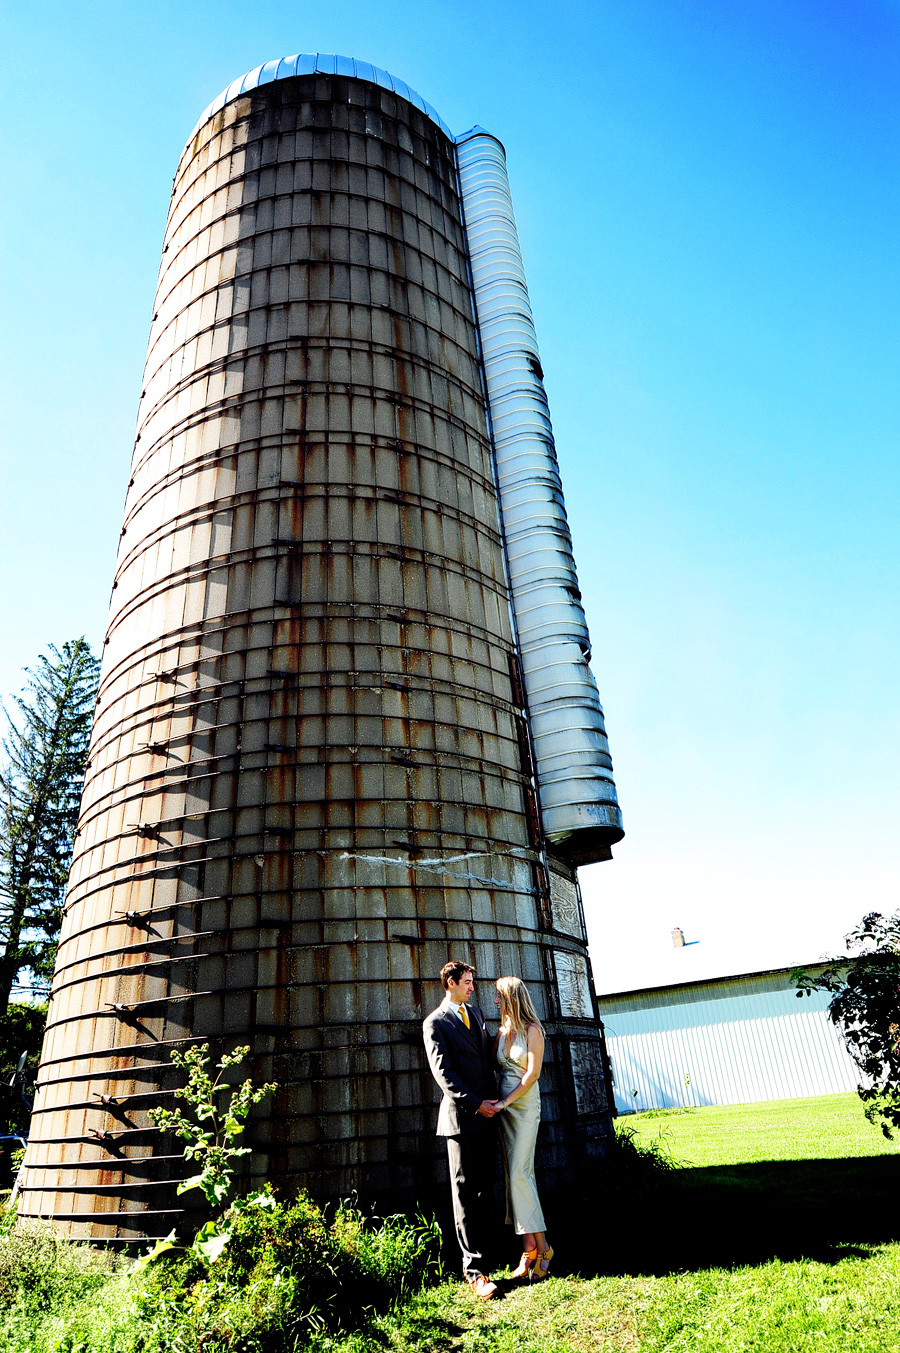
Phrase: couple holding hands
[466,1061]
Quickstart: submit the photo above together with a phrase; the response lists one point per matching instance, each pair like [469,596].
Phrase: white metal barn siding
[737,1040]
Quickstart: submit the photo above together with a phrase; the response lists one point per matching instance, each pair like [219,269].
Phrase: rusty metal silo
[311,777]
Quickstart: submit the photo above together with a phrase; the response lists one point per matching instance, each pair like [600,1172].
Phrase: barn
[725,1040]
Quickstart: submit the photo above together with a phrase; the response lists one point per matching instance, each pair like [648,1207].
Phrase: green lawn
[852,1307]
[777,1233]
[831,1127]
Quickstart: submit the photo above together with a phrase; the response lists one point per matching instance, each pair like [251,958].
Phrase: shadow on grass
[427,1330]
[725,1216]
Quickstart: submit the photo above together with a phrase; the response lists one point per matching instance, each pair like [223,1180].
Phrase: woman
[519,1049]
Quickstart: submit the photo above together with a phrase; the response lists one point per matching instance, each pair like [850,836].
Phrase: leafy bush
[50,1289]
[290,1278]
[865,1006]
[632,1165]
[630,1172]
[21,1030]
[261,1276]
[287,1272]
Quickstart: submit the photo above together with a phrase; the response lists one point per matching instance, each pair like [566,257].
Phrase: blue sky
[707,195]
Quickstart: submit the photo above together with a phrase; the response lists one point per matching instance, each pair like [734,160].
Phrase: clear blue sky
[707,195]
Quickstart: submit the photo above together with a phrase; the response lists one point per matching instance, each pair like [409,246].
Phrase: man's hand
[487,1108]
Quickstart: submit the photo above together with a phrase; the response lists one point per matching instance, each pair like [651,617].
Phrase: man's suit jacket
[462,1063]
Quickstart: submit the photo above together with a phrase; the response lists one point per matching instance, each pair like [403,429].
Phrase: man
[461,1056]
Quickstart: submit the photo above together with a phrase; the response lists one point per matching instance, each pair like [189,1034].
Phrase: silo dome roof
[320,63]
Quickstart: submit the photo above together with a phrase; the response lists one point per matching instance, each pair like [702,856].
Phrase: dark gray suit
[462,1063]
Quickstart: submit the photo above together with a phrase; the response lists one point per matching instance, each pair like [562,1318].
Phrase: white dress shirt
[456,1007]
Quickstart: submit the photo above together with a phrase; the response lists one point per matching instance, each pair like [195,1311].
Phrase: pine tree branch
[40,789]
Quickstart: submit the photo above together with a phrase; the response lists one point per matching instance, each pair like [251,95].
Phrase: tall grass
[51,1289]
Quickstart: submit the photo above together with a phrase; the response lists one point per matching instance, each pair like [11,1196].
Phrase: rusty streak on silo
[312,773]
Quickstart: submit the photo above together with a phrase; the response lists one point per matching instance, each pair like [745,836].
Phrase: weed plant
[678,1112]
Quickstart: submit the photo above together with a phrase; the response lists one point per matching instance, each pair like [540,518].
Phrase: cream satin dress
[518,1135]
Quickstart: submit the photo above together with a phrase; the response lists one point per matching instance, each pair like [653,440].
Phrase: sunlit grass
[831,1127]
[849,1307]
[800,1175]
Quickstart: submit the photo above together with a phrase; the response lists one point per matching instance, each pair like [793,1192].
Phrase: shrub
[21,1030]
[632,1167]
[39,1269]
[290,1278]
[288,1272]
[865,1006]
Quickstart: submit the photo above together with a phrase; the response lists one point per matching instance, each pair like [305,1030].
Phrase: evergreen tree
[40,794]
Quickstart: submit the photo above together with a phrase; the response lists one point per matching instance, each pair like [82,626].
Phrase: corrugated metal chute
[580,811]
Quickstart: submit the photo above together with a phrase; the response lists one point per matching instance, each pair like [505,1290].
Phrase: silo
[315,770]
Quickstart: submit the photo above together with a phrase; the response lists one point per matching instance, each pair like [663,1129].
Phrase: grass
[803,1307]
[831,1127]
[777,1233]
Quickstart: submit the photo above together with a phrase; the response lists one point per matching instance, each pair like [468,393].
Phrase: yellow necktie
[464,1016]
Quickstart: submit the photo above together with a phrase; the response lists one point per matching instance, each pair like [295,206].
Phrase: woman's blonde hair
[515,1003]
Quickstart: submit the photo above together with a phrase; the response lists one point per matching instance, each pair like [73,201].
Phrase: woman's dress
[518,1134]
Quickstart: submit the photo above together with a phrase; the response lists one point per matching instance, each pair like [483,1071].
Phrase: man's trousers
[472,1159]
